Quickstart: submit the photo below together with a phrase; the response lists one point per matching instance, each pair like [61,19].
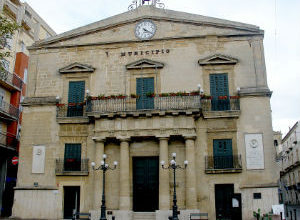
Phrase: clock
[145,30]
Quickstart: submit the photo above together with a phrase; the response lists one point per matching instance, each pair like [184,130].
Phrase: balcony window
[72,160]
[219,91]
[76,98]
[223,157]
[144,91]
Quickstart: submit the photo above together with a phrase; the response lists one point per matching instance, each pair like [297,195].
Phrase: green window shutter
[144,86]
[76,92]
[223,157]
[219,87]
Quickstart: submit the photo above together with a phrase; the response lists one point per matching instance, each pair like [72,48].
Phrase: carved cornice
[255,91]
[145,63]
[77,68]
[217,59]
[31,101]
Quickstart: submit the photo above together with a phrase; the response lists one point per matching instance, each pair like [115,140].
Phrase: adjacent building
[290,173]
[12,90]
[137,87]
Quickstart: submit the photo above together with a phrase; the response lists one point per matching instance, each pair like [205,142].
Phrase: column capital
[163,137]
[124,138]
[98,139]
[190,136]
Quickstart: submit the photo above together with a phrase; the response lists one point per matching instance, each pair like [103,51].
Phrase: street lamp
[104,167]
[173,166]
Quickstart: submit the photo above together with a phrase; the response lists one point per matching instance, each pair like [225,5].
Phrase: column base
[119,214]
[184,214]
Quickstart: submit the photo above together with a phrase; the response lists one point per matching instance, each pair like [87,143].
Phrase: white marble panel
[38,159]
[254,151]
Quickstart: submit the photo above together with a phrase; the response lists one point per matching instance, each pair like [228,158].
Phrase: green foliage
[258,216]
[7,30]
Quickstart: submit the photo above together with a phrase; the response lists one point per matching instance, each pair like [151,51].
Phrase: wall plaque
[38,159]
[254,151]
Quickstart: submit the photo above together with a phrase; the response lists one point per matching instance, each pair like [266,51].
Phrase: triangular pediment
[77,67]
[217,59]
[144,63]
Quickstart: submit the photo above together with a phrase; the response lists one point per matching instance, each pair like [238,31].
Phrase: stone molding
[190,136]
[145,63]
[32,101]
[255,91]
[77,68]
[98,139]
[124,139]
[218,59]
[35,188]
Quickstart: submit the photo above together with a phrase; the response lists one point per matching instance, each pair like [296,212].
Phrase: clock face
[145,30]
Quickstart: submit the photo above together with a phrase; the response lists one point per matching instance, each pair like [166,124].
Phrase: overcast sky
[279,18]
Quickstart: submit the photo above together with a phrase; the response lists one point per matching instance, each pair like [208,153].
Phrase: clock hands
[145,30]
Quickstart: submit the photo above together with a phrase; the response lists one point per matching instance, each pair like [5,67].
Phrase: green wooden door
[219,92]
[144,86]
[145,184]
[223,157]
[72,160]
[223,201]
[76,98]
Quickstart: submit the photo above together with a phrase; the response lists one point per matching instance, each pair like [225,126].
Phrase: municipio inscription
[145,52]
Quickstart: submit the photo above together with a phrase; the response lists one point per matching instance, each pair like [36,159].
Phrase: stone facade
[107,56]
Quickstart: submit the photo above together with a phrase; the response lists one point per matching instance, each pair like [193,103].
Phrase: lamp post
[173,166]
[104,167]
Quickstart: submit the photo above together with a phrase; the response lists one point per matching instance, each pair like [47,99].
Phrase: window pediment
[144,63]
[77,67]
[217,59]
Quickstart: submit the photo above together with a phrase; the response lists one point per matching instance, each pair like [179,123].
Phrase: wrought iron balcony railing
[142,104]
[232,163]
[8,141]
[8,111]
[228,104]
[11,80]
[72,166]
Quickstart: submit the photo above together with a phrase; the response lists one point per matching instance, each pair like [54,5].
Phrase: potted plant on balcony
[195,93]
[150,94]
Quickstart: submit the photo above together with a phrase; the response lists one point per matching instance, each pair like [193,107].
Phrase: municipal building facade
[137,87]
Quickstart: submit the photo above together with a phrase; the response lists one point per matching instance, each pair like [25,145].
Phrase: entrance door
[71,200]
[223,200]
[145,184]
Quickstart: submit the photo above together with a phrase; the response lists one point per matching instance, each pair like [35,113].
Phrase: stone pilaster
[124,202]
[191,192]
[164,185]
[98,153]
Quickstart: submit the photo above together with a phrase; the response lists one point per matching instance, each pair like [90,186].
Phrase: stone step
[144,216]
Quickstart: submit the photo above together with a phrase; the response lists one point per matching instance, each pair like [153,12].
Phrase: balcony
[72,167]
[223,164]
[8,112]
[149,105]
[222,107]
[10,81]
[8,141]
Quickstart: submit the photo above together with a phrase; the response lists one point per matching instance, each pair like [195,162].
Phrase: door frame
[78,188]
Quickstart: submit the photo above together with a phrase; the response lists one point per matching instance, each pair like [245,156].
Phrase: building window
[72,160]
[27,13]
[223,157]
[76,98]
[25,75]
[219,91]
[275,143]
[256,195]
[144,89]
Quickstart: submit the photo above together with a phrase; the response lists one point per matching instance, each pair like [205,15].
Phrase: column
[164,185]
[124,202]
[98,153]
[191,192]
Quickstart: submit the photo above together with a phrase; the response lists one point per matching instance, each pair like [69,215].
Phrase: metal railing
[223,162]
[71,165]
[220,104]
[9,109]
[74,110]
[11,79]
[149,103]
[8,140]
